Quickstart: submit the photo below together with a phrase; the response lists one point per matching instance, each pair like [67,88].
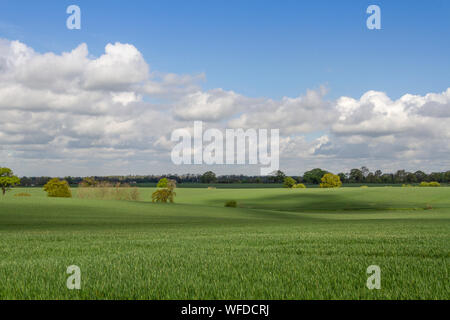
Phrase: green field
[278,244]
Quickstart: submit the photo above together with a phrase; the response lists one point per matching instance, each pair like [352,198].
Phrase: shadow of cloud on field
[322,202]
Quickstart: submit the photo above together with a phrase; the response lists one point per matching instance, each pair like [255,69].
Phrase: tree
[289,182]
[278,176]
[162,183]
[378,175]
[7,179]
[436,176]
[365,171]
[166,193]
[370,178]
[208,177]
[411,177]
[387,178]
[88,183]
[342,176]
[447,176]
[314,175]
[420,176]
[356,176]
[58,188]
[400,176]
[330,180]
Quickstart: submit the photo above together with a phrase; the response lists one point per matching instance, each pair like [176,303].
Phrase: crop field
[277,244]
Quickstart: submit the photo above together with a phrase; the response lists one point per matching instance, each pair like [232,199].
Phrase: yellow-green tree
[330,180]
[58,188]
[7,179]
[299,186]
[289,182]
[162,183]
[165,192]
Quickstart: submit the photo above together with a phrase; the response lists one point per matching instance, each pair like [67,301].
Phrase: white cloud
[213,105]
[303,114]
[72,113]
[121,66]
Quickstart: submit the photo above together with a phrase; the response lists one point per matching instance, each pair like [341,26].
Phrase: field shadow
[322,202]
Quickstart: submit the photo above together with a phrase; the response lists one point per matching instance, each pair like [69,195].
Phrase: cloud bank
[74,114]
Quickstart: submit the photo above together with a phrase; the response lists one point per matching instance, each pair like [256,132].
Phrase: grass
[277,244]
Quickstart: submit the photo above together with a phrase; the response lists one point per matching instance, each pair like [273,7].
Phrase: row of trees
[362,175]
[328,180]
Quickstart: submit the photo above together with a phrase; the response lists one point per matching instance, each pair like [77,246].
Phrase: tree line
[358,175]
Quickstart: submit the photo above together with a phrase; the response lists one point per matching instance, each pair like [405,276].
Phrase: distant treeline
[355,176]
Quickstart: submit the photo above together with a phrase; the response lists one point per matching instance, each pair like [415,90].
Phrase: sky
[105,99]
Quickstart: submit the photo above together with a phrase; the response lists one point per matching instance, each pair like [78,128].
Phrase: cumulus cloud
[213,105]
[72,113]
[377,127]
[302,114]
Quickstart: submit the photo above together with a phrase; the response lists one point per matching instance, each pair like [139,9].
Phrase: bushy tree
[430,184]
[166,193]
[231,204]
[58,188]
[400,176]
[314,175]
[420,176]
[279,176]
[7,179]
[447,176]
[365,171]
[411,177]
[343,177]
[299,186]
[208,177]
[162,183]
[289,182]
[330,180]
[356,176]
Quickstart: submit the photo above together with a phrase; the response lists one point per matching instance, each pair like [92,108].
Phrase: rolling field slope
[278,244]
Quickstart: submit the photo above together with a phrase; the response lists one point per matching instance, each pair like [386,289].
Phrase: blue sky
[258,48]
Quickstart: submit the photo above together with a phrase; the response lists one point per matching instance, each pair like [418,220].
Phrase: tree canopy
[165,192]
[208,177]
[58,188]
[314,176]
[289,182]
[330,180]
[7,179]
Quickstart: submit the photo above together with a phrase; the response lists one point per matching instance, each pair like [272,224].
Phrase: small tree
[7,179]
[162,183]
[429,184]
[58,188]
[88,183]
[208,177]
[289,182]
[166,193]
[299,186]
[330,180]
[278,176]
